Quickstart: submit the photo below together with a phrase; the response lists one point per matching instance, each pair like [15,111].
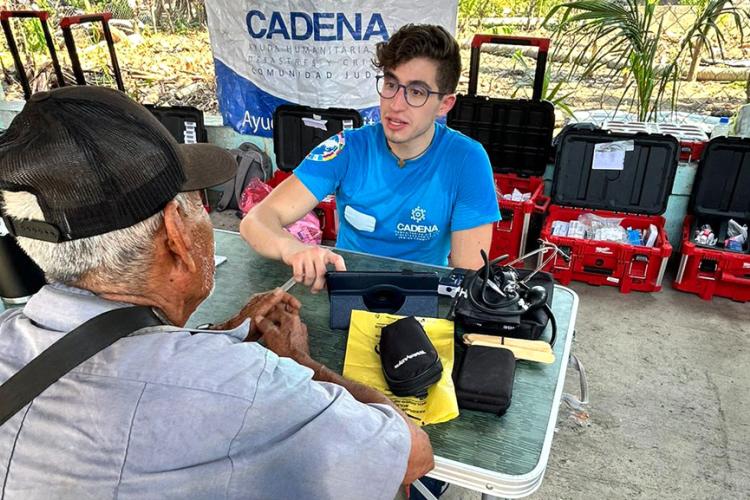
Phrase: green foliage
[550,92]
[623,38]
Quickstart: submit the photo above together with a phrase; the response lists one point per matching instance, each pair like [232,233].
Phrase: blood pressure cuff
[485,379]
[410,362]
[529,325]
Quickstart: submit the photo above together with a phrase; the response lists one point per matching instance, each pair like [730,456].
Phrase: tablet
[404,293]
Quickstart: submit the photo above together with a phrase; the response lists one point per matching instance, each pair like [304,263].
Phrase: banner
[318,54]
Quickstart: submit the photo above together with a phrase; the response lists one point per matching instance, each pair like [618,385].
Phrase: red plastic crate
[325,210]
[329,220]
[628,267]
[721,191]
[509,235]
[708,272]
[278,177]
[636,191]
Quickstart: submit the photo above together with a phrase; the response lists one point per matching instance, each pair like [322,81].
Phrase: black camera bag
[410,362]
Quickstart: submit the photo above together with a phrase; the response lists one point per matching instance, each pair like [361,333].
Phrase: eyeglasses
[416,94]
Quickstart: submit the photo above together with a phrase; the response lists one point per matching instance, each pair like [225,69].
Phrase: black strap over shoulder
[71,350]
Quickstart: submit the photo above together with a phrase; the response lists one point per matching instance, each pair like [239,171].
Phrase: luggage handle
[67,22]
[42,15]
[542,207]
[541,58]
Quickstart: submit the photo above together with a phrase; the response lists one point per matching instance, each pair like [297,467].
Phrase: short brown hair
[423,40]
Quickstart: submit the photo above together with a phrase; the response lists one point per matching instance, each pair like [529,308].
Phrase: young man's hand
[309,265]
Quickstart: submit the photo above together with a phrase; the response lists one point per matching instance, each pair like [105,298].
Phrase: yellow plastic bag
[362,363]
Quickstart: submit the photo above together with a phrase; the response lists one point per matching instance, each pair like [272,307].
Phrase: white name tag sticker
[359,220]
[611,155]
[314,122]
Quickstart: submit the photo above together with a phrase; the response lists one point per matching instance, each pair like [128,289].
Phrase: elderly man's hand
[309,265]
[261,304]
[285,334]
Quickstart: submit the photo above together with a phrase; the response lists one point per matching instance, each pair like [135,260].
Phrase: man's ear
[446,104]
[178,238]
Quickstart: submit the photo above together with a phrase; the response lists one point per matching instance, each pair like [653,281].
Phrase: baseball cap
[97,161]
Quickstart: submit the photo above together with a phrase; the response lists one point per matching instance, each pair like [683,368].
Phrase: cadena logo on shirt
[418,214]
[422,232]
[328,149]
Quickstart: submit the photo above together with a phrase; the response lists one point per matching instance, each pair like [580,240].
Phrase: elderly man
[104,200]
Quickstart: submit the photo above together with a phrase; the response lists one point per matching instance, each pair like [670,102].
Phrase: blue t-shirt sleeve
[476,200]
[322,170]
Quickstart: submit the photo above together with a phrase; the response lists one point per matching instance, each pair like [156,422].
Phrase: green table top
[502,456]
[499,456]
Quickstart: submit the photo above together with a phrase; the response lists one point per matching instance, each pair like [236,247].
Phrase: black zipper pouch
[485,379]
[410,362]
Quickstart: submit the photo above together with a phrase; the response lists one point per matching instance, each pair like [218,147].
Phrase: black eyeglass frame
[378,78]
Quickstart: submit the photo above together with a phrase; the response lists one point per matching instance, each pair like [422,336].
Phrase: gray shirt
[167,414]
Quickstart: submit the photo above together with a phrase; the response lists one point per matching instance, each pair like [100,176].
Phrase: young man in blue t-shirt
[406,187]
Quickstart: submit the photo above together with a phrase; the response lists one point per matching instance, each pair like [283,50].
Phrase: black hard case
[185,123]
[294,135]
[642,187]
[410,362]
[516,133]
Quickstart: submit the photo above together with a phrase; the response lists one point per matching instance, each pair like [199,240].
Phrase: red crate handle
[733,279]
[542,208]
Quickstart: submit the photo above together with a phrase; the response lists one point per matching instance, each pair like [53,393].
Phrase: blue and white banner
[316,53]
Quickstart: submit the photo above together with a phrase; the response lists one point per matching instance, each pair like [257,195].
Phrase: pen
[288,285]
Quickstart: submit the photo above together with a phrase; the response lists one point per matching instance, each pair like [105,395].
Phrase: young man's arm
[475,210]
[263,229]
[467,244]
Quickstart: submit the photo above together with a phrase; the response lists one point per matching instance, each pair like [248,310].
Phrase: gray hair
[119,256]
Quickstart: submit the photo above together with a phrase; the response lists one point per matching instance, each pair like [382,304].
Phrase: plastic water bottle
[721,128]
